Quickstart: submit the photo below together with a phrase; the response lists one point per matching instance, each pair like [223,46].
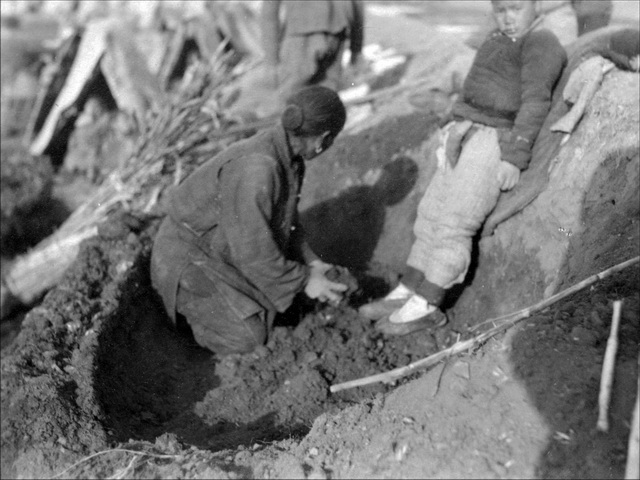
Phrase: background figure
[307,48]
[592,14]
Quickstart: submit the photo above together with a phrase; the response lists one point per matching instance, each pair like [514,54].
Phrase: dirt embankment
[50,410]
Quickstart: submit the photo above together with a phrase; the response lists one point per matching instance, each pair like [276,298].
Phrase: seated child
[506,97]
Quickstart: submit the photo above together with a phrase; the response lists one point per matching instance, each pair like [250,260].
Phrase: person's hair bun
[292,117]
[314,110]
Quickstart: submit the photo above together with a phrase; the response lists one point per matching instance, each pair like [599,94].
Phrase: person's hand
[319,287]
[635,63]
[508,176]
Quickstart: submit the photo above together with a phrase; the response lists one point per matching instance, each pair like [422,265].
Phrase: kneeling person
[230,253]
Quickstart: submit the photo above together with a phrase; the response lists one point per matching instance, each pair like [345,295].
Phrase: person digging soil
[231,254]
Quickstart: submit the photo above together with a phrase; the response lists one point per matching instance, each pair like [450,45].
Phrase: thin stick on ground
[526,312]
[102,452]
[608,366]
[632,471]
[502,324]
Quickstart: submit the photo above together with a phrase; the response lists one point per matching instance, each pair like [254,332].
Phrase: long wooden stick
[503,323]
[608,366]
[559,296]
[632,472]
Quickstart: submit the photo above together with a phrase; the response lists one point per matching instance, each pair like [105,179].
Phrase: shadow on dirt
[558,353]
[147,372]
[152,376]
[345,230]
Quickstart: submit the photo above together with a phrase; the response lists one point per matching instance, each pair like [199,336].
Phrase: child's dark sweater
[510,86]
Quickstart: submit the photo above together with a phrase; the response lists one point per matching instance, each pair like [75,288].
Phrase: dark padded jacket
[236,218]
[510,86]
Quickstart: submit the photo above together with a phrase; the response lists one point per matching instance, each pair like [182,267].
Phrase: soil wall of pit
[51,413]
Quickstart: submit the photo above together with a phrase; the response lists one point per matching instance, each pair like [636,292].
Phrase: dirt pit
[272,394]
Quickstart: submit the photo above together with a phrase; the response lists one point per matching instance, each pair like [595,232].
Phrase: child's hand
[508,176]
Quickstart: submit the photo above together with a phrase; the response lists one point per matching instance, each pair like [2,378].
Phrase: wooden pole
[632,472]
[608,366]
[503,323]
[559,296]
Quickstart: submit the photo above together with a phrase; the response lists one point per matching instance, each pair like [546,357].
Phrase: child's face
[514,17]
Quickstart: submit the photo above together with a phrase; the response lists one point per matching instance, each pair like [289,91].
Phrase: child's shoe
[416,314]
[387,305]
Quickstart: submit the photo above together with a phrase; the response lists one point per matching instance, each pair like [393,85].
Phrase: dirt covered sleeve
[543,59]
[250,193]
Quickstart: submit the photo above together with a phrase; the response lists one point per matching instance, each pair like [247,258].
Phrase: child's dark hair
[314,110]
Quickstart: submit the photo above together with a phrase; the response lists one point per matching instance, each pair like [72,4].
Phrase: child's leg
[453,209]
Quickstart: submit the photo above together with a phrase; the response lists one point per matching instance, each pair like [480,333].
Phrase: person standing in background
[592,14]
[307,48]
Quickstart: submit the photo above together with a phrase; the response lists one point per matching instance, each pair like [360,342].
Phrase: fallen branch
[504,323]
[632,471]
[526,312]
[608,365]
